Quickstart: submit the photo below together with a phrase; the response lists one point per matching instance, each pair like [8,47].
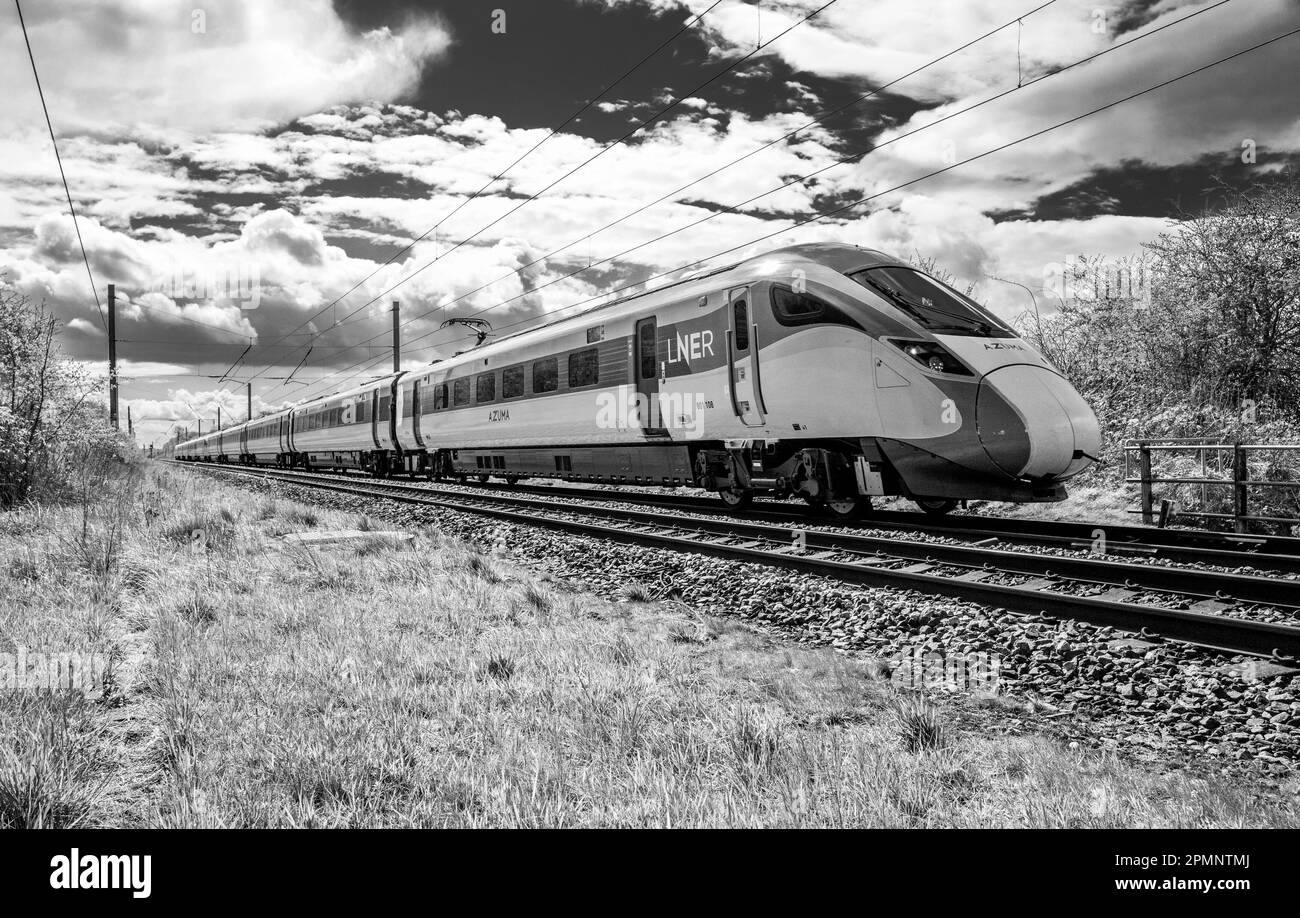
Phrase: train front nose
[1033,424]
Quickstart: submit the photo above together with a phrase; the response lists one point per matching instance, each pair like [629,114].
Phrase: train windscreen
[934,305]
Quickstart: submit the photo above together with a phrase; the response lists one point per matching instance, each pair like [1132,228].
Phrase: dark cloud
[1139,189]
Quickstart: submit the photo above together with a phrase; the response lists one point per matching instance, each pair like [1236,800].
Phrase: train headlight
[932,356]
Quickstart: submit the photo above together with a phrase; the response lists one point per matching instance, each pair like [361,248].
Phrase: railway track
[1211,609]
[1276,553]
[1138,540]
[1273,553]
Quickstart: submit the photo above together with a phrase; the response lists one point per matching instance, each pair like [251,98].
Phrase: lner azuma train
[824,371]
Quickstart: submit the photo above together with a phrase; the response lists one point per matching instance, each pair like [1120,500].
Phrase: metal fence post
[1144,469]
[1239,477]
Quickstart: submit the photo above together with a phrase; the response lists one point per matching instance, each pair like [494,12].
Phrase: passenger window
[741,312]
[795,308]
[440,397]
[460,392]
[584,368]
[546,374]
[512,382]
[486,388]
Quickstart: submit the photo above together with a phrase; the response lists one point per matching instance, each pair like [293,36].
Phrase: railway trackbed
[1230,612]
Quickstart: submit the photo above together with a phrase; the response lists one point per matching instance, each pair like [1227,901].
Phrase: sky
[261,180]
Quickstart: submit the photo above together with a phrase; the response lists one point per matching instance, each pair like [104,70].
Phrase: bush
[55,441]
[1198,338]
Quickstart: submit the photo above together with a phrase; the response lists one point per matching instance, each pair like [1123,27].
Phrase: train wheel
[483,479]
[849,508]
[736,501]
[512,480]
[935,506]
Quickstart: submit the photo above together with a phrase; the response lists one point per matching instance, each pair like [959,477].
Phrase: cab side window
[792,308]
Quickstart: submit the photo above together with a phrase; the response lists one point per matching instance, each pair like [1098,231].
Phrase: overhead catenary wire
[819,118]
[814,218]
[947,168]
[997,149]
[180,317]
[640,126]
[851,158]
[529,152]
[94,289]
[690,24]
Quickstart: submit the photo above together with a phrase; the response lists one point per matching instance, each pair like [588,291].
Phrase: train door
[384,433]
[647,377]
[374,416]
[742,359]
[417,395]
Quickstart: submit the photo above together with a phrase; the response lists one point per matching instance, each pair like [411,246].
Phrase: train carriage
[830,372]
[265,440]
[349,430]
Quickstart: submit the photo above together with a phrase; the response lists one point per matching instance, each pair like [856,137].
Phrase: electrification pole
[112,355]
[397,340]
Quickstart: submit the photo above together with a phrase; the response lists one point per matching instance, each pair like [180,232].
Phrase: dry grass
[1092,498]
[388,683]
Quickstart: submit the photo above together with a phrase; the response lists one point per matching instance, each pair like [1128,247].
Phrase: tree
[1228,284]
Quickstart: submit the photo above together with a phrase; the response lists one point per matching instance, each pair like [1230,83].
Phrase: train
[822,371]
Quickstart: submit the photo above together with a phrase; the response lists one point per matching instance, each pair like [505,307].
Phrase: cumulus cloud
[228,63]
